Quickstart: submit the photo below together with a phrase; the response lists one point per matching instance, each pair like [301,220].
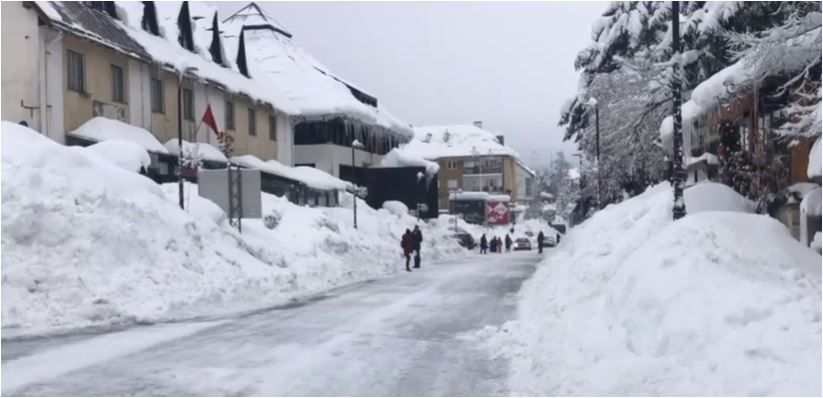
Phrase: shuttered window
[76,64]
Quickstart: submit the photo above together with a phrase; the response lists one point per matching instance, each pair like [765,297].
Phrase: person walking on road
[484,245]
[417,239]
[407,243]
[508,243]
[493,245]
[540,239]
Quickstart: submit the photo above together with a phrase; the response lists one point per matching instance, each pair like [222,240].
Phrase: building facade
[65,63]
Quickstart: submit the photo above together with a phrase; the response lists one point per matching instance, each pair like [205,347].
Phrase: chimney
[478,124]
[500,140]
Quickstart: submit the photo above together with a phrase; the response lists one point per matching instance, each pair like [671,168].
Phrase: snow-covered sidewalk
[722,302]
[90,242]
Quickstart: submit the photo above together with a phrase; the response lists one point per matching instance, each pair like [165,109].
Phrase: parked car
[465,239]
[522,244]
[550,240]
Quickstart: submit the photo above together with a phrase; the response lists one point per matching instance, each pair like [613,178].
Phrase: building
[339,125]
[112,60]
[470,159]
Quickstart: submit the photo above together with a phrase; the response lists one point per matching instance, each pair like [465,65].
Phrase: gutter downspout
[44,89]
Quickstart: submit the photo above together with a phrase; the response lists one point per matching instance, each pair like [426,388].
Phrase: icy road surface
[403,335]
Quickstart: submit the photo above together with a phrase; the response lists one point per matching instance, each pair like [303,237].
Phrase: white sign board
[214,185]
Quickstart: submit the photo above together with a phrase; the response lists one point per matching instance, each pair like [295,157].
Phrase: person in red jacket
[407,243]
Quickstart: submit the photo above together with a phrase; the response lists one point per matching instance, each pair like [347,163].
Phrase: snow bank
[87,243]
[712,196]
[814,168]
[630,303]
[103,129]
[125,154]
[396,207]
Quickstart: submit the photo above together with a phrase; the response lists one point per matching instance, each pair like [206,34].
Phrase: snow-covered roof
[206,151]
[167,51]
[398,157]
[317,92]
[527,169]
[434,142]
[103,129]
[500,198]
[312,177]
[458,196]
[81,20]
[814,168]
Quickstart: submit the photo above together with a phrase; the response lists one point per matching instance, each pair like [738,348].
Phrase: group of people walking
[495,244]
[411,243]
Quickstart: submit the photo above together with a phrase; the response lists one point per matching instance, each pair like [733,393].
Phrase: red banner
[498,213]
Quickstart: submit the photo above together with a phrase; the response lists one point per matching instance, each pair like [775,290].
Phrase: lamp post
[188,70]
[593,103]
[358,145]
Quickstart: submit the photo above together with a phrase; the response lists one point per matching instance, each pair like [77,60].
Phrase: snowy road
[402,335]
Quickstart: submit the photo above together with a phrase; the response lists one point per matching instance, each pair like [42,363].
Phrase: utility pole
[679,209]
[354,144]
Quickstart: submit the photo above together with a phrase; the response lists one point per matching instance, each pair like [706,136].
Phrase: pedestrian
[499,246]
[540,239]
[508,243]
[407,243]
[417,239]
[493,245]
[484,245]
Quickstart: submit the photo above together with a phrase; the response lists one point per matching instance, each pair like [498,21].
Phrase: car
[550,240]
[465,239]
[522,244]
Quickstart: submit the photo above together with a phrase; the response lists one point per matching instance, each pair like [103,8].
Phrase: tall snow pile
[631,303]
[87,242]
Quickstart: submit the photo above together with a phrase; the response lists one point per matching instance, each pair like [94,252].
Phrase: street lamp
[189,70]
[593,103]
[358,145]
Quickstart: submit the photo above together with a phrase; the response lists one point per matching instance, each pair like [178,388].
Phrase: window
[272,128]
[76,71]
[229,115]
[157,103]
[118,85]
[451,184]
[188,104]
[252,123]
[451,164]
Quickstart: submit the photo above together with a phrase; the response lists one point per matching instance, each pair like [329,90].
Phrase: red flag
[208,119]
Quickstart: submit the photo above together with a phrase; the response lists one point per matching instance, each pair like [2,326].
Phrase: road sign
[246,201]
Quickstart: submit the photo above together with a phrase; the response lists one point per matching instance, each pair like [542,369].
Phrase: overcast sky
[510,65]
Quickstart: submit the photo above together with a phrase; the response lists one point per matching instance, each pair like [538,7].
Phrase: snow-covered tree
[632,42]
